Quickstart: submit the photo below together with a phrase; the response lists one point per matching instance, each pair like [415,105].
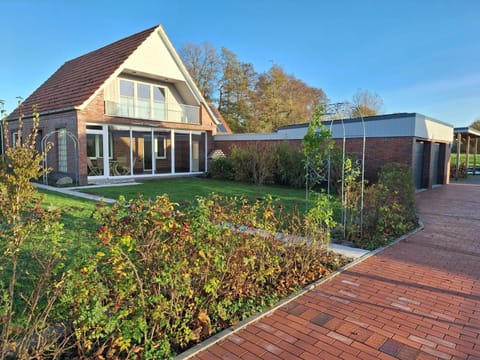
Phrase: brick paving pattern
[418,299]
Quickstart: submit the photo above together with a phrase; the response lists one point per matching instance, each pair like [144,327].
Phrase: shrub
[290,167]
[389,206]
[165,278]
[352,187]
[31,256]
[253,164]
[221,168]
[259,164]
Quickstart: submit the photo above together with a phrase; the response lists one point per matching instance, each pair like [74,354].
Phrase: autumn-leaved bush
[161,277]
[166,277]
[31,256]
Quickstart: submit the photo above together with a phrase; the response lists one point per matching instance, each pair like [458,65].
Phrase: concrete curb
[359,255]
[187,354]
[70,192]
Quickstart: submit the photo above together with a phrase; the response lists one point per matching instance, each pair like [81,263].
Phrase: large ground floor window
[117,150]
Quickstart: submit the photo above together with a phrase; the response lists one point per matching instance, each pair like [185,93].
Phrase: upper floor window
[145,100]
[142,100]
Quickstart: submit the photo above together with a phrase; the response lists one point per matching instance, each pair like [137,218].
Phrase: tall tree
[475,124]
[235,90]
[366,103]
[281,99]
[204,65]
[249,101]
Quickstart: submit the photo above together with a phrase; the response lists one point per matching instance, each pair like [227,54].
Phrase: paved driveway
[418,299]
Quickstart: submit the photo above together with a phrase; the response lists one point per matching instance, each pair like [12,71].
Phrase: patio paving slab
[417,299]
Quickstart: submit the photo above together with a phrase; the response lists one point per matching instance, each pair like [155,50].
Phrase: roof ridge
[113,44]
[77,79]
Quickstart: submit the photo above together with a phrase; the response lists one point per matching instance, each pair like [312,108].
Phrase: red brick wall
[94,112]
[49,123]
[378,151]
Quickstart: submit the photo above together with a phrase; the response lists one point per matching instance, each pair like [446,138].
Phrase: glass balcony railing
[178,113]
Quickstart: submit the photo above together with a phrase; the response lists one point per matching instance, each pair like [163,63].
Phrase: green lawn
[463,159]
[187,189]
[75,212]
[79,224]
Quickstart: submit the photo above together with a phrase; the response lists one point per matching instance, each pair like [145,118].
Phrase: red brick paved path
[418,299]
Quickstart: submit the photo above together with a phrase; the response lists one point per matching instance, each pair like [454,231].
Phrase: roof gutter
[50,112]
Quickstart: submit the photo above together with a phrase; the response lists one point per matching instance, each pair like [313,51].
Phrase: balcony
[169,112]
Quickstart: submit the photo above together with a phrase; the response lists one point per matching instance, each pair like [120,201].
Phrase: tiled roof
[76,80]
[222,127]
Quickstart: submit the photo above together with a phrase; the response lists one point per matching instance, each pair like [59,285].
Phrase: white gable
[156,59]
[153,58]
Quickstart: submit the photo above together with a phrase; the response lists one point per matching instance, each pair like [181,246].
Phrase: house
[129,109]
[409,138]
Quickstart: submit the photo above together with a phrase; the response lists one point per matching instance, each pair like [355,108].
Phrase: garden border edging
[187,354]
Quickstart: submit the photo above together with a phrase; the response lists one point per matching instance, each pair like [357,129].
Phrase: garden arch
[337,112]
[74,139]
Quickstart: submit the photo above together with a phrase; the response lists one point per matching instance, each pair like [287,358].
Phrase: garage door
[435,162]
[418,167]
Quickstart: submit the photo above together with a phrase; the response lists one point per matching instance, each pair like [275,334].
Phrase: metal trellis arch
[75,151]
[338,112]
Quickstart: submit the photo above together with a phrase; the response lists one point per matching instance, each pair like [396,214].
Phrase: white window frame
[98,142]
[136,112]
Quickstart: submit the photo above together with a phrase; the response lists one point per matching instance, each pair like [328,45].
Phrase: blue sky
[418,55]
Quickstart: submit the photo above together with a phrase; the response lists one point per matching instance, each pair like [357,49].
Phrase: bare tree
[366,103]
[204,65]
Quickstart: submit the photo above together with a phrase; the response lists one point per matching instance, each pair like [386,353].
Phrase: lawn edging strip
[70,192]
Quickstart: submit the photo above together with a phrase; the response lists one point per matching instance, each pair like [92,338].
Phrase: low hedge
[165,278]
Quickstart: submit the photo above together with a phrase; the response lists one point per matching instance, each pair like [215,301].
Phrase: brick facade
[378,152]
[74,99]
[75,122]
[48,125]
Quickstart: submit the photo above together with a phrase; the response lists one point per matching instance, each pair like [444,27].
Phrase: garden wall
[408,138]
